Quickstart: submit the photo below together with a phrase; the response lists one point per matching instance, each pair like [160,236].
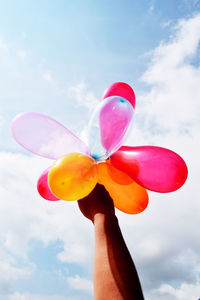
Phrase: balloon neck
[100,158]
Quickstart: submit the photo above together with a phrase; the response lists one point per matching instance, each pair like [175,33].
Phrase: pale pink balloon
[155,168]
[115,117]
[108,126]
[43,187]
[120,89]
[45,136]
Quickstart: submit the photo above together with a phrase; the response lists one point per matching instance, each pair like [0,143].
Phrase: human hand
[98,202]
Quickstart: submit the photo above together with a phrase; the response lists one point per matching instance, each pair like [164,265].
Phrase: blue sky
[57,58]
[99,42]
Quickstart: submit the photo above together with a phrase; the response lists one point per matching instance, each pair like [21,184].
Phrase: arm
[115,276]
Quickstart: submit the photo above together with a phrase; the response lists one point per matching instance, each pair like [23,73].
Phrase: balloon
[116,175]
[130,198]
[73,176]
[155,168]
[44,136]
[108,127]
[125,172]
[43,188]
[120,89]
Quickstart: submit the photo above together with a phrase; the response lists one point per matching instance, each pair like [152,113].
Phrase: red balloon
[155,168]
[120,89]
[43,187]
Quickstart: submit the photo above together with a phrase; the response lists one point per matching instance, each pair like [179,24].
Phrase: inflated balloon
[155,168]
[126,172]
[44,136]
[73,176]
[43,187]
[120,89]
[130,198]
[106,134]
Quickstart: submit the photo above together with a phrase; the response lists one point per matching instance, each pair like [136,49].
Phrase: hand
[97,202]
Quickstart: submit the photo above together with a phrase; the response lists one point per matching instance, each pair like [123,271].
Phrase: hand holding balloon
[78,167]
[97,202]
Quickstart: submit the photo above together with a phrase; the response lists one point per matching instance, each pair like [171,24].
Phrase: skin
[115,276]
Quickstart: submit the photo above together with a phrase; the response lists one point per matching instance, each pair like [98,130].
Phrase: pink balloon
[108,126]
[155,168]
[120,89]
[43,187]
[115,117]
[44,136]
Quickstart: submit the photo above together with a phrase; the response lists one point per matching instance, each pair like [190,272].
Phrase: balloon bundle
[126,172]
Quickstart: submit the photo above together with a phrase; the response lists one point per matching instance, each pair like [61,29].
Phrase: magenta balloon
[120,89]
[108,126]
[43,187]
[155,168]
[44,136]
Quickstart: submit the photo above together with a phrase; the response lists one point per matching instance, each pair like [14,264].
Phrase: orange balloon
[117,175]
[130,198]
[73,176]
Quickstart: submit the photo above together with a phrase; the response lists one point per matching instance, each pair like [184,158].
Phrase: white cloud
[25,216]
[83,95]
[47,76]
[173,101]
[80,283]
[1,122]
[166,24]
[22,54]
[11,272]
[26,296]
[152,6]
[184,292]
[3,45]
[74,253]
[165,242]
[35,87]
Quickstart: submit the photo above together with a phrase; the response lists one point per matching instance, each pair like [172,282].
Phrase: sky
[57,58]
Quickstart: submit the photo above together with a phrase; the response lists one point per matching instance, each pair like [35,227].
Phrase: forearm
[115,276]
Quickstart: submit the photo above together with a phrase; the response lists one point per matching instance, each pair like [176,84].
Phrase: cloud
[11,270]
[83,95]
[3,45]
[1,122]
[47,76]
[35,87]
[166,24]
[80,283]
[173,101]
[165,242]
[22,54]
[167,292]
[27,296]
[26,216]
[151,6]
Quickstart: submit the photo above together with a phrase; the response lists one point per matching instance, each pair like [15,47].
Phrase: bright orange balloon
[130,197]
[116,175]
[73,176]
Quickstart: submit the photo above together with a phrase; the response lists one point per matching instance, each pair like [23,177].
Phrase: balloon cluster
[126,172]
